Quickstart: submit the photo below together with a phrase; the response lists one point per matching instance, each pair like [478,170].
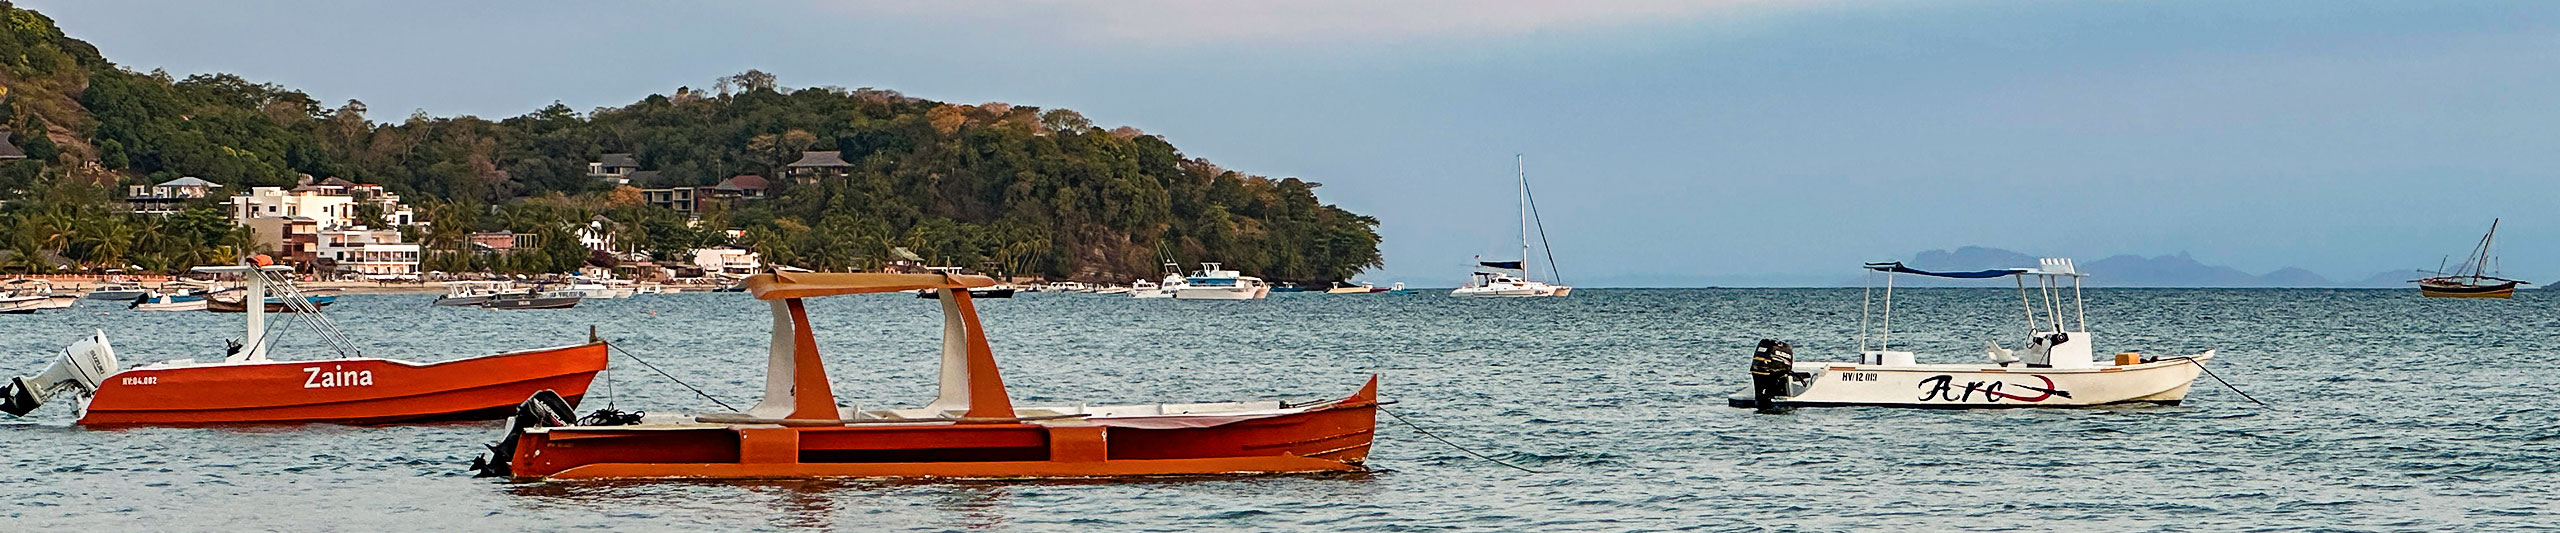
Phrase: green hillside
[1029,190]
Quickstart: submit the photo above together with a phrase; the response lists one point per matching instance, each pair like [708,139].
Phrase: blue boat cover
[1897,267]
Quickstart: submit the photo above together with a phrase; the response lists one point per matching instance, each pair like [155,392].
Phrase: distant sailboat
[2471,279]
[1498,278]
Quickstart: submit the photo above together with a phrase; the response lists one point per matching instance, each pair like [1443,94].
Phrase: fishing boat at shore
[2471,279]
[27,296]
[229,300]
[971,429]
[469,293]
[163,301]
[2055,367]
[1362,288]
[245,386]
[535,297]
[1510,279]
[1173,282]
[117,290]
[1215,282]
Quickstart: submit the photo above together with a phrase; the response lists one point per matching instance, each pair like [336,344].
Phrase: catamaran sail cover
[810,285]
[1896,267]
[1513,265]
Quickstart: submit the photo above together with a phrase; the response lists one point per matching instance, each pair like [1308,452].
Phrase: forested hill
[1037,191]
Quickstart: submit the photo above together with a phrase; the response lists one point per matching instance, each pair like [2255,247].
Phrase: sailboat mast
[1518,167]
[2480,264]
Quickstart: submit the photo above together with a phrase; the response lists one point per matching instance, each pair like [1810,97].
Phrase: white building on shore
[727,260]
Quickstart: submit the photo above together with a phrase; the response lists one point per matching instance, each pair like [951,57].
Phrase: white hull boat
[157,301]
[1507,287]
[1173,282]
[25,296]
[1214,282]
[1510,279]
[2056,367]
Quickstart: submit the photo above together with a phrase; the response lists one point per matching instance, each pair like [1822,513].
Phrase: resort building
[494,241]
[814,166]
[374,253]
[292,239]
[727,260]
[692,200]
[332,202]
[9,150]
[290,223]
[165,198]
[617,169]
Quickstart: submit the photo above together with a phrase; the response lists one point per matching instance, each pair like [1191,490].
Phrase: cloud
[1185,22]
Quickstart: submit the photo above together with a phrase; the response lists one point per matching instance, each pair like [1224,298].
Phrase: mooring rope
[617,346]
[2217,378]
[1427,433]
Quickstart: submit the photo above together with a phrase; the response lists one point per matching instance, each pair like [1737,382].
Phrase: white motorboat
[172,296]
[24,296]
[1362,288]
[594,289]
[117,290]
[1173,281]
[2054,368]
[469,293]
[1510,279]
[1215,282]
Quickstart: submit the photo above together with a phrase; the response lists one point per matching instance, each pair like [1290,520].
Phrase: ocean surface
[2386,412]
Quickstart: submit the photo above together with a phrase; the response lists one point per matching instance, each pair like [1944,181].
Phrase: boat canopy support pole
[987,397]
[1884,339]
[253,347]
[970,380]
[1866,300]
[2023,305]
[2079,305]
[795,381]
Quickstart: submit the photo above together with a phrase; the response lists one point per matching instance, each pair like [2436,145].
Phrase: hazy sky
[1673,143]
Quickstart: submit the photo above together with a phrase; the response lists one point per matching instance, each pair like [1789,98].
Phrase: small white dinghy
[2056,368]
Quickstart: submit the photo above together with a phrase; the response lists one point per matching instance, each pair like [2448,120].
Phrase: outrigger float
[247,387]
[971,429]
[2055,368]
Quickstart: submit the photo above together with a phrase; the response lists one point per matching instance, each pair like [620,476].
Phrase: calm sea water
[2389,412]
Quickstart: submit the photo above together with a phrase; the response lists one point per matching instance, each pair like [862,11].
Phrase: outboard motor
[1773,366]
[544,410]
[82,367]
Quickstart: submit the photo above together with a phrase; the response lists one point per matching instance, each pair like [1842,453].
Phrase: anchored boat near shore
[2471,279]
[971,429]
[1510,279]
[244,386]
[2054,368]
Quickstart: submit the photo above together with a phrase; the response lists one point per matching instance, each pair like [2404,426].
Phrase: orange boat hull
[355,391]
[1335,438]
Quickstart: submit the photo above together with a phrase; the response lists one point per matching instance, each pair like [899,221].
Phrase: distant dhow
[2471,279]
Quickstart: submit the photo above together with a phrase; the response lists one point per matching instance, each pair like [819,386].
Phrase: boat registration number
[145,380]
[1857,376]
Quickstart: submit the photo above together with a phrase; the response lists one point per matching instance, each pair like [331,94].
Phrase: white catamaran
[2054,368]
[1510,279]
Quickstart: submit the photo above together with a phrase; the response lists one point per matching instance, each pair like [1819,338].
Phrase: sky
[1670,143]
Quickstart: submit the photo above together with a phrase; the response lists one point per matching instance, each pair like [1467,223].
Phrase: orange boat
[971,429]
[246,387]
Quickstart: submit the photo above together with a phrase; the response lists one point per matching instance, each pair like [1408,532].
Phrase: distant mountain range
[2179,270]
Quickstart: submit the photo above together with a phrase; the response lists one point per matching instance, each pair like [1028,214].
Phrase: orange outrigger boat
[971,430]
[247,387]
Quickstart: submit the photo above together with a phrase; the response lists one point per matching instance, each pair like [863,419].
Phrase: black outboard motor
[544,410]
[1773,367]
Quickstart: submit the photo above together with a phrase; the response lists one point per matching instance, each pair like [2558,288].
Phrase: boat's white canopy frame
[2049,280]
